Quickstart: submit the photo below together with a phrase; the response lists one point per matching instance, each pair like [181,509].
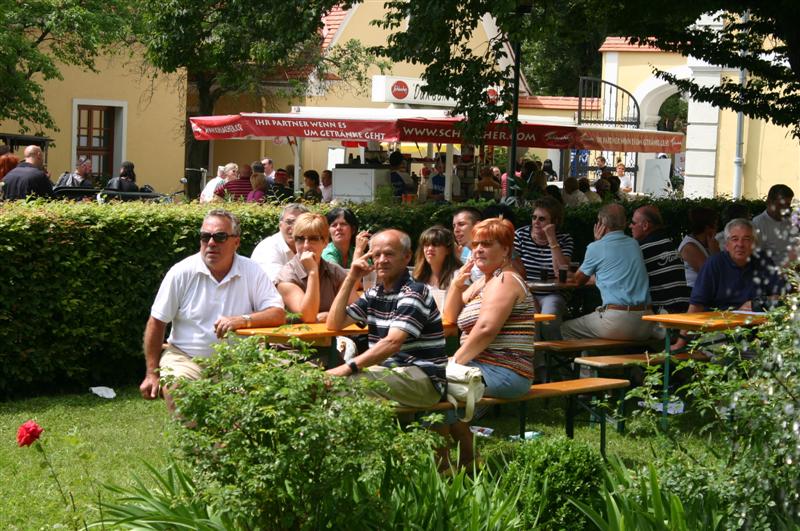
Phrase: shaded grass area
[93,441]
[90,441]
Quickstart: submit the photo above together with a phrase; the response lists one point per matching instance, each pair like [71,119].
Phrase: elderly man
[736,278]
[237,186]
[28,178]
[406,339]
[205,296]
[668,289]
[774,228]
[275,251]
[616,262]
[81,177]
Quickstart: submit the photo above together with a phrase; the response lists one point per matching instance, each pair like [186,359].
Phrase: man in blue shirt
[615,260]
[736,278]
[437,181]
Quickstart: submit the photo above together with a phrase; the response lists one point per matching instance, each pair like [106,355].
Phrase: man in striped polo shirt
[237,184]
[406,339]
[668,289]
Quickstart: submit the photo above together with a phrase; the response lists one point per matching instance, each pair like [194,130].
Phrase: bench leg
[523,419]
[603,436]
[570,426]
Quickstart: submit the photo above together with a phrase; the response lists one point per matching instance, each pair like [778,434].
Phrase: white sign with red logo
[393,89]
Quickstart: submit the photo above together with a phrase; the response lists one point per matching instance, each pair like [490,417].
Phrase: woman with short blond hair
[307,283]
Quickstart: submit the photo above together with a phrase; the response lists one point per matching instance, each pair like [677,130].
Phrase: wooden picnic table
[715,321]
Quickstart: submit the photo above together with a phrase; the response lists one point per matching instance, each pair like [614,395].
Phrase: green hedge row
[78,279]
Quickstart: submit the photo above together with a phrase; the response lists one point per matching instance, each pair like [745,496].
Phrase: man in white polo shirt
[205,296]
[275,251]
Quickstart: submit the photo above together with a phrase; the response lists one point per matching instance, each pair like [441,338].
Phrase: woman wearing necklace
[543,252]
[495,316]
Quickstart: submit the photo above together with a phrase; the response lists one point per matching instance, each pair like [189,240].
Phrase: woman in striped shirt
[543,251]
[495,315]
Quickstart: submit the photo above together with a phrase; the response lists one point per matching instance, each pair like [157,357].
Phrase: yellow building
[770,154]
[114,115]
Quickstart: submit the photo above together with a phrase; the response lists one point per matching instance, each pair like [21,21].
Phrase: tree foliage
[435,34]
[766,45]
[39,37]
[247,47]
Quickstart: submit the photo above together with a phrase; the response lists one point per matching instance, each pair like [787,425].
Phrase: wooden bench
[569,389]
[621,361]
[566,349]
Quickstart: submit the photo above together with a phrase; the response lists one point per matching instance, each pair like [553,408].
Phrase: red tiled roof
[556,102]
[621,44]
[332,21]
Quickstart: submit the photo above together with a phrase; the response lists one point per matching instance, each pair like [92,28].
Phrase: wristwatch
[248,319]
[353,366]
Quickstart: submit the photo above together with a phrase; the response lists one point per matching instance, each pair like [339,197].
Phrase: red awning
[436,130]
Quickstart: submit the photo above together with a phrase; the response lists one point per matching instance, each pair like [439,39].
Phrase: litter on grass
[103,392]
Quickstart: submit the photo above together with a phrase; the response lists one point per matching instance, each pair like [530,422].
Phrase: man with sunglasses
[205,296]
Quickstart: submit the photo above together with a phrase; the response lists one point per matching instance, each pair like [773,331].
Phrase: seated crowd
[486,276]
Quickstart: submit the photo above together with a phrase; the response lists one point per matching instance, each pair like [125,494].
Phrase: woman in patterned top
[495,315]
[543,251]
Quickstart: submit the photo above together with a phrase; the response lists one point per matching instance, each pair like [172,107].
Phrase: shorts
[175,362]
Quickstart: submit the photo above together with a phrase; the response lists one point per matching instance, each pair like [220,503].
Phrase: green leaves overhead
[39,37]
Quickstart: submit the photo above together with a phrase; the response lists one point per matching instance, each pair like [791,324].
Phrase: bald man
[406,339]
[615,260]
[28,179]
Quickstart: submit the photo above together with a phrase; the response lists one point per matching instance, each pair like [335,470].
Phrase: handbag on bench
[464,384]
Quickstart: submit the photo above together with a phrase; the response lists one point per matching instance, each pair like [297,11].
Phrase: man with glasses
[205,296]
[275,251]
[736,278]
[308,283]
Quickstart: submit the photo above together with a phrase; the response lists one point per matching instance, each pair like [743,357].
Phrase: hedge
[79,278]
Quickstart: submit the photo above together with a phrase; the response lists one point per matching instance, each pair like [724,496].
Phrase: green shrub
[79,278]
[282,446]
[639,502]
[569,469]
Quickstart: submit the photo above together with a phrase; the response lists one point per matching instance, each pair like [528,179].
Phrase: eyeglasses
[482,243]
[219,237]
[540,218]
[310,239]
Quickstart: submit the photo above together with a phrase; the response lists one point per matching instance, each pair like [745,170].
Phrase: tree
[770,38]
[245,47]
[37,37]
[564,45]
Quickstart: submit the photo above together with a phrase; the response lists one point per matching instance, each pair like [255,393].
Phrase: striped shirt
[512,348]
[537,257]
[411,308]
[666,273]
[236,189]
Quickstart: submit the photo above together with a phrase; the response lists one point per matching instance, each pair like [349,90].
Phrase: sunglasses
[218,237]
[310,239]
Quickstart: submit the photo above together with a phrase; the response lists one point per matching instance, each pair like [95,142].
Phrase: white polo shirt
[272,254]
[192,300]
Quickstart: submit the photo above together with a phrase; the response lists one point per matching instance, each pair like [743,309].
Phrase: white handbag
[464,384]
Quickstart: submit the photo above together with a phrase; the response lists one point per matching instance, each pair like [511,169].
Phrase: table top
[553,285]
[313,331]
[707,321]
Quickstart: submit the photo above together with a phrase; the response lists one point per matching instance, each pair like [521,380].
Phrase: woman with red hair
[8,162]
[495,315]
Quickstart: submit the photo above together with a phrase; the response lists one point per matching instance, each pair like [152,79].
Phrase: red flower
[28,433]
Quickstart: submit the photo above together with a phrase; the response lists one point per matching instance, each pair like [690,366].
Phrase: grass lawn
[92,441]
